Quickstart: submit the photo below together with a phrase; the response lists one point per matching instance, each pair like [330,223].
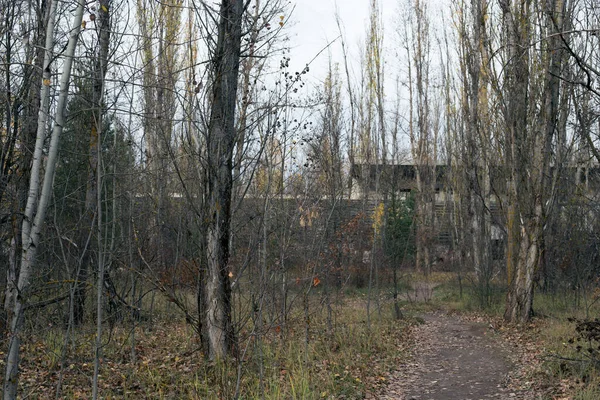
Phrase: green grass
[464,295]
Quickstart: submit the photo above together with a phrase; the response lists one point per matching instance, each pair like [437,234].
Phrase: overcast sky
[315,26]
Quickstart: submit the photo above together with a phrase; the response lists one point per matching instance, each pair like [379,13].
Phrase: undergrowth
[162,360]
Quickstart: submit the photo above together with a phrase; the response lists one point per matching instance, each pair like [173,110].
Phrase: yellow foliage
[378,215]
[307,216]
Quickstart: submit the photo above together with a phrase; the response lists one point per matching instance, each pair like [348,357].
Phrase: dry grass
[163,361]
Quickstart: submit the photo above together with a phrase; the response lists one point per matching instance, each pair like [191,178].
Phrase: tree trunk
[13,302]
[27,140]
[32,227]
[222,135]
[95,155]
[475,63]
[532,194]
[91,203]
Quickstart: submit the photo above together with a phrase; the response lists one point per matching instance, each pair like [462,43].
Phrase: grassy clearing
[162,360]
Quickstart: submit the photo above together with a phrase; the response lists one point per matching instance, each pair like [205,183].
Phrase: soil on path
[454,358]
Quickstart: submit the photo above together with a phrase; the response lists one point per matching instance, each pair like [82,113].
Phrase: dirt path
[454,359]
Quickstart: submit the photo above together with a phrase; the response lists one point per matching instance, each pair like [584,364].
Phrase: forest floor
[441,349]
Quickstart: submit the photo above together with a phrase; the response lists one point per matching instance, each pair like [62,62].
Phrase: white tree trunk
[32,225]
[11,290]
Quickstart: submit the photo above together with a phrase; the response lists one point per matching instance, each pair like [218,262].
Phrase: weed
[344,360]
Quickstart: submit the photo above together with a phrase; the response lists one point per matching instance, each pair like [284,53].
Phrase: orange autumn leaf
[316,281]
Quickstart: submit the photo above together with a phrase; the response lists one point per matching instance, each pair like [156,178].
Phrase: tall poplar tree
[225,65]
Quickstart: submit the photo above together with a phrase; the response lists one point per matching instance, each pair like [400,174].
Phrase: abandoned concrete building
[373,182]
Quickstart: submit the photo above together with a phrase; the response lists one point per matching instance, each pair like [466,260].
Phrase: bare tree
[37,202]
[529,140]
[423,139]
[225,64]
[22,127]
[475,64]
[91,204]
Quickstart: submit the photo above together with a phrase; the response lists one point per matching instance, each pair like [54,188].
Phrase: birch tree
[21,127]
[38,198]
